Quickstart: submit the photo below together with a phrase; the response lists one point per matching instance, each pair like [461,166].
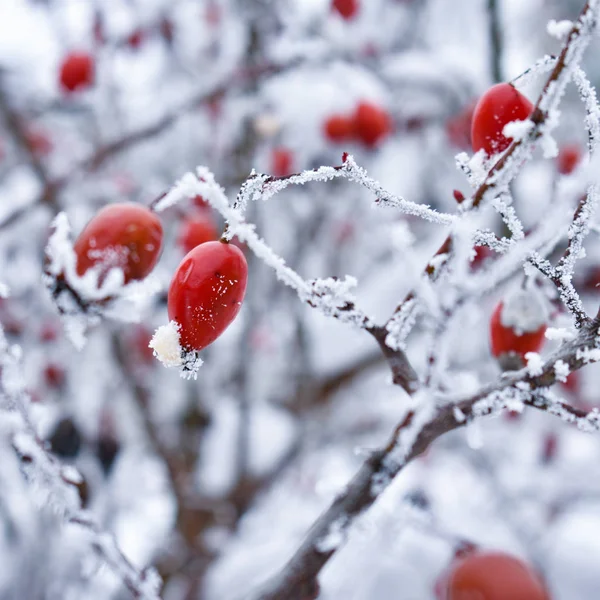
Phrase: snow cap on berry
[165,343]
[524,311]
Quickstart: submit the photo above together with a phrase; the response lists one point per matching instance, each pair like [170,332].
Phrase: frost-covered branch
[425,421]
[58,482]
[263,187]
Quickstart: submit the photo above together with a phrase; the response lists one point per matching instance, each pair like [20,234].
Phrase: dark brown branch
[538,117]
[299,576]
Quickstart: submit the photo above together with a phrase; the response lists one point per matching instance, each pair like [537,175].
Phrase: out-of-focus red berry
[569,156]
[77,71]
[48,332]
[339,128]
[136,38]
[54,376]
[493,576]
[282,161]
[347,9]
[196,230]
[371,123]
[38,142]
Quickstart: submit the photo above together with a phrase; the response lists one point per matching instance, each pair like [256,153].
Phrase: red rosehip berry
[206,293]
[38,142]
[371,123]
[339,128]
[458,196]
[500,105]
[518,325]
[197,230]
[54,376]
[482,253]
[494,576]
[135,39]
[77,71]
[568,158]
[49,332]
[126,236]
[347,9]
[281,162]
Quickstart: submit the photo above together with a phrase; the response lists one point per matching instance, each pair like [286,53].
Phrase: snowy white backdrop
[120,479]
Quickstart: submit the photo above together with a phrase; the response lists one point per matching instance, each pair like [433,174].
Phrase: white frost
[517,130]
[535,364]
[524,311]
[165,343]
[559,334]
[562,370]
[559,29]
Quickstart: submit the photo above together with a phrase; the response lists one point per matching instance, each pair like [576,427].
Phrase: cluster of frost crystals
[524,311]
[401,324]
[53,482]
[535,363]
[517,130]
[559,29]
[165,344]
[333,297]
[168,350]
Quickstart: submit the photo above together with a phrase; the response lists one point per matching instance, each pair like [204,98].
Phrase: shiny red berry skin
[347,9]
[568,158]
[197,230]
[339,128]
[124,235]
[494,576]
[281,162]
[206,293]
[505,339]
[77,71]
[500,105]
[371,123]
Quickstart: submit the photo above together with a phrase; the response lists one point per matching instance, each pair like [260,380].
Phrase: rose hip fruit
[197,230]
[126,236]
[206,293]
[500,105]
[494,576]
[77,71]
